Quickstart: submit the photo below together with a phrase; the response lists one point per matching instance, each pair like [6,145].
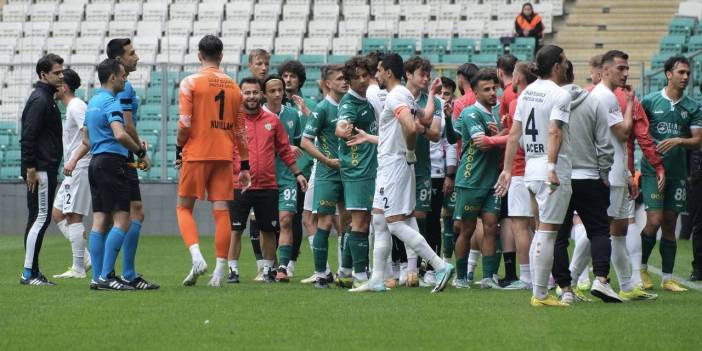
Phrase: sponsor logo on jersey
[683,114]
[657,112]
[291,124]
[268,126]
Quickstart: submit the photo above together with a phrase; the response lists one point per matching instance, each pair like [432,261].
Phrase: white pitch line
[682,281]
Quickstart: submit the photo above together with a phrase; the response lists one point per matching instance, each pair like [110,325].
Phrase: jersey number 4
[220,97]
[531,127]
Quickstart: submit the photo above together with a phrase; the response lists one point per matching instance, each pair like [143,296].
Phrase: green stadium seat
[337,59]
[658,60]
[150,112]
[10,171]
[673,44]
[434,46]
[12,155]
[278,59]
[523,47]
[244,59]
[373,44]
[184,74]
[154,94]
[5,139]
[8,125]
[457,59]
[311,59]
[682,26]
[80,92]
[149,126]
[484,59]
[694,43]
[404,46]
[157,77]
[491,46]
[523,56]
[433,58]
[172,138]
[310,92]
[151,139]
[173,112]
[244,72]
[313,73]
[462,46]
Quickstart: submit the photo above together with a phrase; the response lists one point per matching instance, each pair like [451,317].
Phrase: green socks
[449,237]
[490,265]
[284,253]
[346,258]
[462,267]
[320,250]
[358,243]
[668,248]
[647,245]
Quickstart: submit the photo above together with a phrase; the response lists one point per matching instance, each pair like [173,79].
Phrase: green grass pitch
[255,316]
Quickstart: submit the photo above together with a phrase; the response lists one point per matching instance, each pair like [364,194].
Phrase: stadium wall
[159,201]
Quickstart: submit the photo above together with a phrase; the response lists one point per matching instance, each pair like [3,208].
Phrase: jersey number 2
[531,127]
[220,97]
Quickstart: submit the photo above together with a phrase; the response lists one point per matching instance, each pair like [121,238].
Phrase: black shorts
[504,209]
[133,178]
[265,206]
[109,185]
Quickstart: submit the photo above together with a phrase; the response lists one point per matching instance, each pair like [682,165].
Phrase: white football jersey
[391,142]
[72,135]
[376,97]
[618,174]
[539,104]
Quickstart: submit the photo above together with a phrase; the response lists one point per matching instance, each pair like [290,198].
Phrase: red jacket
[265,137]
[640,133]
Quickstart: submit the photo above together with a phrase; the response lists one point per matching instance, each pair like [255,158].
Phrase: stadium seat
[462,46]
[523,47]
[209,11]
[43,12]
[269,12]
[11,29]
[263,42]
[484,59]
[682,26]
[434,46]
[337,59]
[322,28]
[673,44]
[98,11]
[277,59]
[263,28]
[154,11]
[179,27]
[382,28]
[121,28]
[318,46]
[202,28]
[62,46]
[296,12]
[374,44]
[356,12]
[411,29]
[328,11]
[235,28]
[353,28]
[491,46]
[292,28]
[311,59]
[346,45]
[416,12]
[694,43]
[691,9]
[457,59]
[239,10]
[70,12]
[93,29]
[403,46]
[36,29]
[127,11]
[15,12]
[61,28]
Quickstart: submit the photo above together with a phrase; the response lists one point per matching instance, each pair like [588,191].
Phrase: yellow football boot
[672,285]
[646,281]
[550,300]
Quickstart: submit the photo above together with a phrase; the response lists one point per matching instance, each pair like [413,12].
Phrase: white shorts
[309,194]
[553,206]
[73,195]
[618,202]
[395,188]
[518,199]
[632,209]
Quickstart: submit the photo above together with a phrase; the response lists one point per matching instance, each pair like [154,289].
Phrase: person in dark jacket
[694,208]
[528,23]
[42,148]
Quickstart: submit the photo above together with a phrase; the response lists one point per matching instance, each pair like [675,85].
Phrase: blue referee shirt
[103,109]
[129,101]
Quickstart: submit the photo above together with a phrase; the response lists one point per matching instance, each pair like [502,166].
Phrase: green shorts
[287,197]
[358,194]
[450,202]
[673,198]
[423,194]
[327,194]
[470,203]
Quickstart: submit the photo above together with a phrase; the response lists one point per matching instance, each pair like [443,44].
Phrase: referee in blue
[109,185]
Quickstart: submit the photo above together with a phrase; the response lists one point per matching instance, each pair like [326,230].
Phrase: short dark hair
[269,78]
[373,58]
[331,69]
[210,47]
[394,63]
[46,62]
[674,60]
[570,76]
[596,61]
[115,47]
[448,83]
[528,70]
[251,80]
[506,63]
[483,75]
[610,55]
[417,62]
[352,64]
[106,68]
[71,79]
[547,57]
[468,71]
[295,67]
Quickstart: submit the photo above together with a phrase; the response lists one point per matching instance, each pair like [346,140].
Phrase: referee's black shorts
[265,206]
[133,179]
[109,185]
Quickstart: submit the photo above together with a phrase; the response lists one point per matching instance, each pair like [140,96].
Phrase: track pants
[39,205]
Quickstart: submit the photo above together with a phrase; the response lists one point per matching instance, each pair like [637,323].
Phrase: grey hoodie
[590,143]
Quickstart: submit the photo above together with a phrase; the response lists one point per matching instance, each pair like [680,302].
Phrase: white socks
[405,231]
[525,273]
[473,257]
[581,254]
[75,235]
[621,262]
[219,267]
[633,245]
[382,246]
[541,261]
[63,227]
[196,254]
[234,265]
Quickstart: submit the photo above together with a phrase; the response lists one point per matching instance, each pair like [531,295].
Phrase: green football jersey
[423,166]
[290,119]
[358,162]
[322,125]
[305,162]
[477,169]
[668,120]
